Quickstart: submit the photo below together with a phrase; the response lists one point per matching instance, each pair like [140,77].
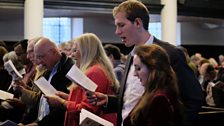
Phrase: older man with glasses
[57,64]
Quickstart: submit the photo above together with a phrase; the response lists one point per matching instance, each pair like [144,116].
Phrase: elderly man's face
[30,53]
[45,57]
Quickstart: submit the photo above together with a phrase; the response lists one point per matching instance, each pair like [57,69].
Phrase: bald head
[46,53]
[45,43]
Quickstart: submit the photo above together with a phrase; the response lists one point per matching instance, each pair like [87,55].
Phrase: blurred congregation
[141,81]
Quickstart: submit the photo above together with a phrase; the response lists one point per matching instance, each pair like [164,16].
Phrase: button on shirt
[134,89]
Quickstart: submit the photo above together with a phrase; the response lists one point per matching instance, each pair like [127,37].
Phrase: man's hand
[96,98]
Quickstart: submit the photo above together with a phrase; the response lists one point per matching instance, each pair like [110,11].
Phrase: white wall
[11,30]
[103,28]
[199,34]
[191,33]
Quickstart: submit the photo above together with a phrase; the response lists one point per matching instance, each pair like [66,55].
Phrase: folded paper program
[77,76]
[89,119]
[9,66]
[45,86]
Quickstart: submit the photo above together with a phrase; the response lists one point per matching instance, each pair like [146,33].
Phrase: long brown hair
[161,75]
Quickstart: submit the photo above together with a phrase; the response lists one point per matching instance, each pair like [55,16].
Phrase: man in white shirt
[131,20]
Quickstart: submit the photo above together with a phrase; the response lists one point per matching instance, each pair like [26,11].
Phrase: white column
[169,21]
[33,18]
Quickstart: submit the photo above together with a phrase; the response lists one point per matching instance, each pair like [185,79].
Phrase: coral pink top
[77,98]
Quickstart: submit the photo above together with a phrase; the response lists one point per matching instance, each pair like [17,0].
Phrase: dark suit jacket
[190,89]
[60,83]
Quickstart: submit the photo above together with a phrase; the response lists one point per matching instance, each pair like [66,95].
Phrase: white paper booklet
[89,119]
[77,76]
[8,123]
[9,66]
[45,86]
[5,95]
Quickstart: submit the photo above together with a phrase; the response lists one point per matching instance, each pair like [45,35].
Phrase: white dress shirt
[43,105]
[134,88]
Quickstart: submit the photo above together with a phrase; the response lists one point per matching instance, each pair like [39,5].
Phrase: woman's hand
[55,101]
[62,95]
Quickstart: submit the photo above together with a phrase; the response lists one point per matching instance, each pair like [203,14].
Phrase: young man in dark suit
[131,21]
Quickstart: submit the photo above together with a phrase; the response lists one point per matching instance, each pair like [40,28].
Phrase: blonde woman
[92,60]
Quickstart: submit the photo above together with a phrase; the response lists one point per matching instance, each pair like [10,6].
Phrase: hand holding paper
[45,86]
[89,119]
[55,100]
[5,95]
[9,66]
[97,98]
[77,76]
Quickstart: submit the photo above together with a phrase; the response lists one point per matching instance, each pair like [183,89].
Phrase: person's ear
[138,22]
[111,56]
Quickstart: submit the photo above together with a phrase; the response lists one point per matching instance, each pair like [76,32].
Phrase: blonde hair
[92,52]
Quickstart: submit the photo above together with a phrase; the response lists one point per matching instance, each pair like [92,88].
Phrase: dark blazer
[60,83]
[190,89]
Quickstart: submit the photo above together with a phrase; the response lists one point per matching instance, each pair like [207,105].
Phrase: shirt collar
[148,42]
[55,67]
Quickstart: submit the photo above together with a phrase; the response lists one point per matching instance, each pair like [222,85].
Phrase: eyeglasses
[42,55]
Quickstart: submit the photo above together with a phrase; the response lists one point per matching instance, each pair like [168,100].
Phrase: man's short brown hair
[134,9]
